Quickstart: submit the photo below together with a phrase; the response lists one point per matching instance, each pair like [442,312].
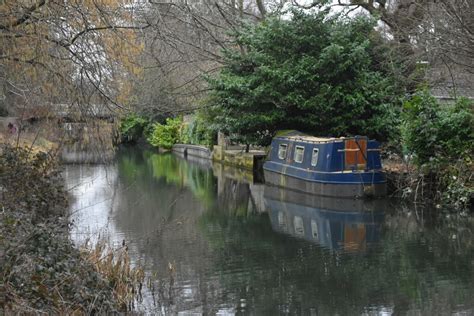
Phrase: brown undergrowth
[41,272]
[115,266]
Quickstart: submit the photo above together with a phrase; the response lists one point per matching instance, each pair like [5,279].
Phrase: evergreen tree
[319,74]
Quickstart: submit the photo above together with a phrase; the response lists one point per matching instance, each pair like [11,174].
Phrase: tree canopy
[67,52]
[320,74]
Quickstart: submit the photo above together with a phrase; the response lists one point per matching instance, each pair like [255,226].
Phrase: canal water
[212,242]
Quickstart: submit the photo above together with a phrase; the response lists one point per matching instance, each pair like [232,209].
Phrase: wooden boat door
[355,153]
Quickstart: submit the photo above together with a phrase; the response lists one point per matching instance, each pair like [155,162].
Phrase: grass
[114,265]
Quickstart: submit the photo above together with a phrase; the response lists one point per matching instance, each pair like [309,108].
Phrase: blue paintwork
[330,165]
[330,224]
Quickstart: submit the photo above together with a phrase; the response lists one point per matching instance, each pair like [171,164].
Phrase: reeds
[115,266]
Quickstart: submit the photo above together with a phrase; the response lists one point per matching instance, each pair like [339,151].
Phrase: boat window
[314,157]
[298,225]
[299,151]
[314,229]
[282,151]
[282,221]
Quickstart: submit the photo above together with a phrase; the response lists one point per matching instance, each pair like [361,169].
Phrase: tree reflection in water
[218,242]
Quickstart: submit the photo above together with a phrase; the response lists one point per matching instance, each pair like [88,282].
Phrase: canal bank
[41,271]
[404,180]
[443,180]
[235,156]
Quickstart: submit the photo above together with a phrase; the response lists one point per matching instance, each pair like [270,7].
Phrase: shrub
[441,140]
[31,181]
[132,128]
[40,270]
[435,133]
[199,132]
[166,135]
[185,135]
[319,74]
[455,185]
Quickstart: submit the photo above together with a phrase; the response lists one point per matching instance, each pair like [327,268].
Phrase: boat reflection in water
[348,225]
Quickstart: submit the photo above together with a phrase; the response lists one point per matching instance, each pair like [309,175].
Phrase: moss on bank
[40,269]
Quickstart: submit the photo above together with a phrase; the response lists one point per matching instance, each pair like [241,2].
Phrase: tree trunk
[261,8]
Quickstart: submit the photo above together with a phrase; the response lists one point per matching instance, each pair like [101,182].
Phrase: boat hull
[344,190]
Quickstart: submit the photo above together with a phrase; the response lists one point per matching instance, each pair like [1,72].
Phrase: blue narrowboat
[342,167]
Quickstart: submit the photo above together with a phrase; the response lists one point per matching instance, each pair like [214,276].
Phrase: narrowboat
[342,167]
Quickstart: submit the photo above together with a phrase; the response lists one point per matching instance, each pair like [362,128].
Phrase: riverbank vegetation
[440,141]
[319,74]
[41,270]
[329,75]
[132,128]
[339,77]
[172,131]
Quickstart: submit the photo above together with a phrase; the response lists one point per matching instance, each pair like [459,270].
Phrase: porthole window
[299,152]
[282,151]
[314,157]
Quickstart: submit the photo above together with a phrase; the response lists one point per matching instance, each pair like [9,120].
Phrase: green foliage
[456,185]
[174,131]
[166,135]
[315,73]
[132,128]
[185,135]
[441,138]
[199,132]
[435,133]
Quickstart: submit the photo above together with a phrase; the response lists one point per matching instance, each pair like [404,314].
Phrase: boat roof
[314,139]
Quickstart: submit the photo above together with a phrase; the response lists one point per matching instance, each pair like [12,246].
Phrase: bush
[40,270]
[435,133]
[132,128]
[319,74]
[198,132]
[166,135]
[441,140]
[456,185]
[31,181]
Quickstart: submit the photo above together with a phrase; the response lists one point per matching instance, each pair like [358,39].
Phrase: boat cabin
[327,154]
[352,164]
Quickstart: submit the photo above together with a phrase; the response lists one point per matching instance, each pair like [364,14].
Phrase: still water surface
[212,242]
